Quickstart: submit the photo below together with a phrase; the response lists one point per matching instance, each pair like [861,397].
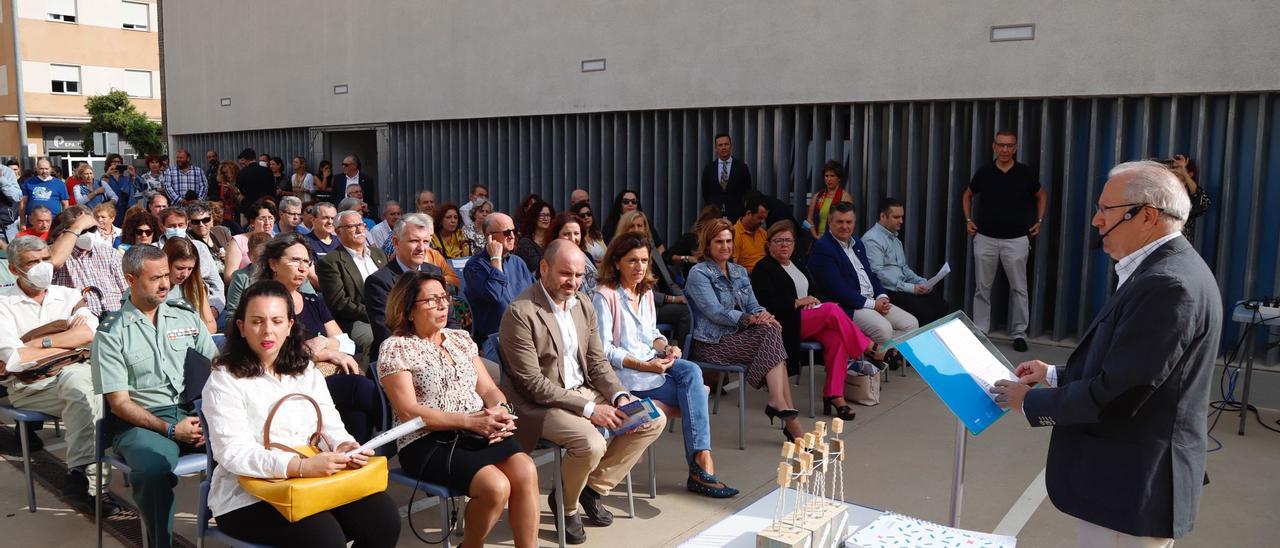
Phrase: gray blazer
[1129,413]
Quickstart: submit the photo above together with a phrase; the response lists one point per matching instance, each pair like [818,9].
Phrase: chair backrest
[209,463]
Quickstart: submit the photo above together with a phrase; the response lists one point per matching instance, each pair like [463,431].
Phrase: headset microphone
[1097,241]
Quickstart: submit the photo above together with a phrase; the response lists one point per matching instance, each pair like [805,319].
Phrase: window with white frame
[136,15]
[61,10]
[65,78]
[137,83]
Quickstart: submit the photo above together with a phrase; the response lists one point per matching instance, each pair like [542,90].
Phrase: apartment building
[69,50]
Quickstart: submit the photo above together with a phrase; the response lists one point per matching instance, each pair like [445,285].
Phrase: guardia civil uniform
[131,353]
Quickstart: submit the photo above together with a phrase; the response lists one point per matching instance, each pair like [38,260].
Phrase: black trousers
[373,521]
[926,308]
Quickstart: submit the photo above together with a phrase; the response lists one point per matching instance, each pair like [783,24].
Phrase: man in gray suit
[1128,410]
[342,275]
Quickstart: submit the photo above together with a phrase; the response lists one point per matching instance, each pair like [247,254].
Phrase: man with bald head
[563,388]
[579,195]
[493,278]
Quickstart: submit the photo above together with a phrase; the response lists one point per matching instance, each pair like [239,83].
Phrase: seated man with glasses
[411,242]
[174,222]
[343,274]
[494,277]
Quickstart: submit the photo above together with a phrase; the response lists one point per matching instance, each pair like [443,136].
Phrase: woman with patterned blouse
[435,373]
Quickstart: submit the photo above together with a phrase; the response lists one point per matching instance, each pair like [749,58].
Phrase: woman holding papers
[435,373]
[645,362]
[265,359]
[731,327]
[804,317]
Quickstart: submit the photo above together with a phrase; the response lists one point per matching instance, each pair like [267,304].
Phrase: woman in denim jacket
[730,326]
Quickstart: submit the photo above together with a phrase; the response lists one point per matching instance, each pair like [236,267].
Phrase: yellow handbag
[297,498]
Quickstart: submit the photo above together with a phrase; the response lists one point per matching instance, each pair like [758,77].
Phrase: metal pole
[17,77]
[957,490]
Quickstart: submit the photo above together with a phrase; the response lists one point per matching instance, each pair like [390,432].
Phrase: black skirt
[451,459]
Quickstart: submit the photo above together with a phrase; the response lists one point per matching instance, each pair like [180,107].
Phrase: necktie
[724,175]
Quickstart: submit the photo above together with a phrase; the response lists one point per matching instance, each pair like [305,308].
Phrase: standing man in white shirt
[354,176]
[477,191]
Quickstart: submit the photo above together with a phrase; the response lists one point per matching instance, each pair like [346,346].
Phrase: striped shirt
[177,183]
[98,266]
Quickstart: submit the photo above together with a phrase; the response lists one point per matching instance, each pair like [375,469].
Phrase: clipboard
[961,381]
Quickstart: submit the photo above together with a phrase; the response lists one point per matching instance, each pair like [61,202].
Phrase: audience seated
[626,202]
[839,266]
[646,363]
[563,389]
[89,263]
[494,278]
[734,328]
[592,238]
[435,373]
[184,284]
[286,259]
[107,233]
[174,221]
[202,227]
[479,194]
[242,278]
[412,247]
[667,294]
[38,222]
[343,274]
[28,312]
[450,239]
[323,237]
[474,222]
[262,218]
[138,358]
[889,262]
[533,232]
[380,235]
[568,226]
[140,228]
[790,298]
[681,252]
[749,232]
[264,360]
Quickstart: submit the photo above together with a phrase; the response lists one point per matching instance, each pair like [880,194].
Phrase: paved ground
[902,453]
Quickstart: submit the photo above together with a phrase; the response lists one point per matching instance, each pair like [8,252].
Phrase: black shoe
[574,532]
[845,412]
[894,359]
[1020,344]
[76,486]
[589,503]
[110,506]
[784,414]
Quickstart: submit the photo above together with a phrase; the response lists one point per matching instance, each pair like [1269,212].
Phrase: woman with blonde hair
[185,282]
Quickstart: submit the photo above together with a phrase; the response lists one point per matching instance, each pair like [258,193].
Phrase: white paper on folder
[389,436]
[942,273]
[977,360]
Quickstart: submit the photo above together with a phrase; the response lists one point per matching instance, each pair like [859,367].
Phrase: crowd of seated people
[580,316]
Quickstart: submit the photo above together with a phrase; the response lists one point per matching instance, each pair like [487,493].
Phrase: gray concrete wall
[422,60]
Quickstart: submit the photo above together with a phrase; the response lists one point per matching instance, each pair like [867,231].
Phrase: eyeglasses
[1103,209]
[356,226]
[291,213]
[347,164]
[1006,145]
[143,232]
[544,215]
[201,221]
[435,301]
[630,201]
[266,219]
[298,262]
[783,241]
[508,233]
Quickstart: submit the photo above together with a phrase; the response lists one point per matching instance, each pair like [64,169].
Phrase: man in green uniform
[138,358]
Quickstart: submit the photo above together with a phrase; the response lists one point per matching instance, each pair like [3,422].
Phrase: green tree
[114,113]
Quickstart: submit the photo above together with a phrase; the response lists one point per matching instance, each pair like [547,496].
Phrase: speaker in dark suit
[1128,410]
[725,180]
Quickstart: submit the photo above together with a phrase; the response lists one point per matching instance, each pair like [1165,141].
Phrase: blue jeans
[683,389]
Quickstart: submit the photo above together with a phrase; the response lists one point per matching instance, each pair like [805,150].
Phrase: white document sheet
[942,273]
[389,436]
[900,531]
[976,358]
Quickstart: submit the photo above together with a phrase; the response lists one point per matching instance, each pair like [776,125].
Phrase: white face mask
[84,242]
[175,233]
[263,164]
[40,275]
[45,178]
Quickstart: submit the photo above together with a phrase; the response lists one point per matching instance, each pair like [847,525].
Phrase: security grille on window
[62,10]
[65,78]
[136,16]
[137,83]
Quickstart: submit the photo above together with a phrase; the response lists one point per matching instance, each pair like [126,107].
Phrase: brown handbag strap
[315,438]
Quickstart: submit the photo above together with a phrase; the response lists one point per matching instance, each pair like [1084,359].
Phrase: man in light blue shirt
[888,260]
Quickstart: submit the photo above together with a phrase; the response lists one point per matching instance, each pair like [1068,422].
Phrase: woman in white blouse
[645,362]
[264,360]
[435,373]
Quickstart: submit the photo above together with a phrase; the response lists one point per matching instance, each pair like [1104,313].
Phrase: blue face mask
[175,233]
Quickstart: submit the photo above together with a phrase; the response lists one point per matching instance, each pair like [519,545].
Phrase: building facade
[71,50]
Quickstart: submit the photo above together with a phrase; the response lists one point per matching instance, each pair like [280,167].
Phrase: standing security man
[138,361]
[1127,455]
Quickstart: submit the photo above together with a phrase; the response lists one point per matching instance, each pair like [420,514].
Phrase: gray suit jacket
[343,287]
[1129,412]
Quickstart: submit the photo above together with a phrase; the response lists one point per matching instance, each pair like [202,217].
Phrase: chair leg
[884,376]
[715,400]
[97,505]
[813,370]
[444,520]
[631,500]
[57,428]
[558,481]
[653,473]
[742,410]
[23,434]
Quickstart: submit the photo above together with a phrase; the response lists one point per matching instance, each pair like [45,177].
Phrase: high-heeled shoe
[844,412]
[784,414]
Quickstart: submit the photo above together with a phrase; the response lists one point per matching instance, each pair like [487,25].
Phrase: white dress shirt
[364,262]
[19,314]
[572,370]
[351,181]
[864,282]
[237,410]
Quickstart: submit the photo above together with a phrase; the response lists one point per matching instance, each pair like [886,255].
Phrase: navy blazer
[834,274]
[729,199]
[1129,412]
[376,288]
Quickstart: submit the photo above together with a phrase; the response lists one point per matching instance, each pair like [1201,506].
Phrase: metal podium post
[957,489]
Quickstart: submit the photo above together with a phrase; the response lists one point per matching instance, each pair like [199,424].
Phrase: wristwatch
[46,343]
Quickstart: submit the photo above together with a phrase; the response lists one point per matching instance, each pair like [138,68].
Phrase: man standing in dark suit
[342,275]
[725,180]
[254,181]
[412,241]
[353,176]
[1128,410]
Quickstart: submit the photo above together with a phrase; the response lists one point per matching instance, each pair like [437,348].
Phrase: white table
[740,529]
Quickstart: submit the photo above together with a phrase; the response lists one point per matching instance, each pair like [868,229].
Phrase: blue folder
[942,371]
